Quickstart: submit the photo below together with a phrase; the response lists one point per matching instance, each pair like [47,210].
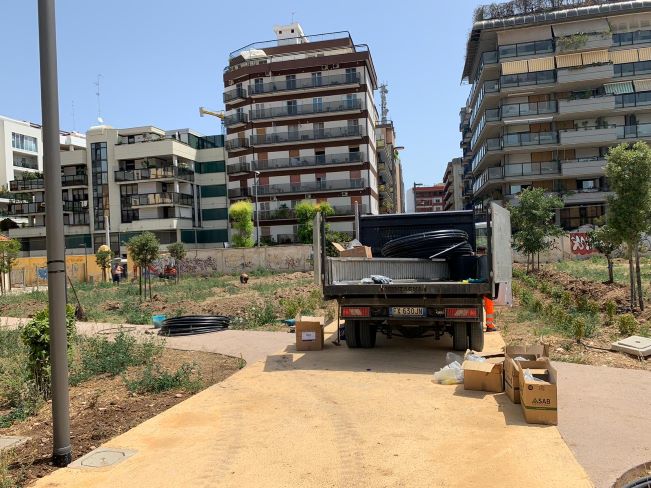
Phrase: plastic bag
[529,377]
[474,357]
[451,374]
[452,357]
[520,358]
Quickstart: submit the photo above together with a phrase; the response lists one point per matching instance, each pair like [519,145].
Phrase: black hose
[445,243]
[640,483]
[194,324]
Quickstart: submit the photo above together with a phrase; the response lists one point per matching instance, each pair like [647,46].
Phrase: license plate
[407,312]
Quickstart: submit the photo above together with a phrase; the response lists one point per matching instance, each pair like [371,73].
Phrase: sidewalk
[339,417]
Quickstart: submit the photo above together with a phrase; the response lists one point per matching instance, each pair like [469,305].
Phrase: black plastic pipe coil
[427,244]
[194,324]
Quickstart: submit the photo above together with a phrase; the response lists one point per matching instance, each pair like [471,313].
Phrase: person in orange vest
[490,314]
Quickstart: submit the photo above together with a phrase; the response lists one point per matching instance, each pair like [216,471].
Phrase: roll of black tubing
[426,244]
[194,324]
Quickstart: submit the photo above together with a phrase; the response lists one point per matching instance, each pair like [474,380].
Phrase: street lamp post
[55,243]
[256,179]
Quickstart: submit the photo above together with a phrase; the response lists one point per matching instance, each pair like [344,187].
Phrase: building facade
[133,180]
[21,150]
[429,198]
[551,92]
[390,184]
[453,181]
[300,125]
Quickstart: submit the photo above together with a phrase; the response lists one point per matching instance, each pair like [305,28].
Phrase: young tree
[178,253]
[606,240]
[305,212]
[629,208]
[144,249]
[9,250]
[103,258]
[533,220]
[241,215]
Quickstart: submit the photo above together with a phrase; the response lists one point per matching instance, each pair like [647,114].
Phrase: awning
[644,53]
[642,85]
[581,27]
[619,88]
[514,67]
[541,64]
[626,56]
[569,60]
[596,57]
[515,36]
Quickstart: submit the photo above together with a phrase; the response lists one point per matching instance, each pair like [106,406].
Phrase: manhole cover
[102,457]
[635,345]
[10,441]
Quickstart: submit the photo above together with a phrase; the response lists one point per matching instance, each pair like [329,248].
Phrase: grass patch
[269,288]
[154,379]
[596,269]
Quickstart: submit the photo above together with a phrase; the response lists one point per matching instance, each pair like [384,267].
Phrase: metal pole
[107,231]
[256,177]
[55,242]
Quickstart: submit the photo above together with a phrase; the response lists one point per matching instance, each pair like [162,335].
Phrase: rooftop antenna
[99,109]
[293,17]
[383,102]
[74,125]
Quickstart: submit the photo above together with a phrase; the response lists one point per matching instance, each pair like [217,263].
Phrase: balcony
[590,135]
[592,42]
[491,145]
[306,187]
[532,169]
[528,79]
[236,144]
[153,199]
[165,173]
[584,167]
[308,135]
[39,183]
[488,175]
[79,206]
[237,118]
[26,208]
[639,131]
[528,109]
[587,105]
[314,82]
[237,93]
[289,214]
[530,139]
[24,163]
[587,73]
[592,195]
[298,162]
[306,109]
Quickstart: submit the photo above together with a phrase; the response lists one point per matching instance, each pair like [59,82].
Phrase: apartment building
[21,150]
[428,198]
[551,92]
[453,182]
[300,125]
[171,183]
[390,183]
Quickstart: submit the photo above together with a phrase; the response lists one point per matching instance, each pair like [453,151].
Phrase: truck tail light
[461,313]
[356,311]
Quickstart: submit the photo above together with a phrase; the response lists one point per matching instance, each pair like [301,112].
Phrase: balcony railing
[154,174]
[236,118]
[24,164]
[304,83]
[634,131]
[235,144]
[231,95]
[164,198]
[532,169]
[298,162]
[307,187]
[26,208]
[79,206]
[39,183]
[306,109]
[289,213]
[524,109]
[527,79]
[307,135]
[530,139]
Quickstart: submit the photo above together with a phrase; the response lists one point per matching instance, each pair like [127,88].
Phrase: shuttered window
[642,85]
[619,88]
[541,64]
[644,53]
[596,57]
[568,60]
[515,67]
[626,56]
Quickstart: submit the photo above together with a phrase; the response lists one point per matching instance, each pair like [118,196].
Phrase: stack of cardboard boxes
[525,373]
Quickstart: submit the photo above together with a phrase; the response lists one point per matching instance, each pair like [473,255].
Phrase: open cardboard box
[511,369]
[484,375]
[539,397]
[354,252]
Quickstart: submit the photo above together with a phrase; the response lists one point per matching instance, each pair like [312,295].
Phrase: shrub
[578,328]
[241,215]
[627,325]
[611,309]
[154,379]
[260,316]
[292,306]
[36,336]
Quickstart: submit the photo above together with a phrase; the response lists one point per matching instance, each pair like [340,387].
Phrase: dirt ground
[102,408]
[519,326]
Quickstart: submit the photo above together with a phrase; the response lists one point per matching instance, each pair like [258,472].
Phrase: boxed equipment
[309,333]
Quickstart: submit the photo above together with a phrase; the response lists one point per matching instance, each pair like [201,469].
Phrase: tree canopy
[241,215]
[305,212]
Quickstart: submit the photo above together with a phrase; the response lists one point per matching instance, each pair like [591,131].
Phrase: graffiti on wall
[580,243]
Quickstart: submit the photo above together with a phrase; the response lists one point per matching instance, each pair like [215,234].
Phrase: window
[517,189]
[259,110]
[353,127]
[351,75]
[316,79]
[351,101]
[99,168]
[317,105]
[292,107]
[290,81]
[26,143]
[292,132]
[319,129]
[587,185]
[258,85]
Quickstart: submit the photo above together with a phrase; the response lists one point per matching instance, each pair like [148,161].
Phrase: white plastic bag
[530,377]
[474,357]
[452,357]
[451,374]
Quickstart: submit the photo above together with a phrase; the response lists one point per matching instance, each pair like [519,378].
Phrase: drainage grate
[102,457]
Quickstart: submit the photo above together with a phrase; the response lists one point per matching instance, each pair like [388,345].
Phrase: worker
[489,308]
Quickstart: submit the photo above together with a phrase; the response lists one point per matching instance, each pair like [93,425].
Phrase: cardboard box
[356,252]
[483,376]
[511,370]
[538,398]
[309,333]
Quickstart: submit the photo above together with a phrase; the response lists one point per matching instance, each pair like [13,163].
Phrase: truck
[421,297]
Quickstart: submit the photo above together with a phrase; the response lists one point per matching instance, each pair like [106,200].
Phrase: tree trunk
[609,259]
[9,278]
[638,275]
[140,282]
[631,277]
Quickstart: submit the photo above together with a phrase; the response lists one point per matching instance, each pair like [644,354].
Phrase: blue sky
[161,60]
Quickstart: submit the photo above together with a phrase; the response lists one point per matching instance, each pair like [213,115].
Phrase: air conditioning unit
[335,66]
[344,193]
[324,67]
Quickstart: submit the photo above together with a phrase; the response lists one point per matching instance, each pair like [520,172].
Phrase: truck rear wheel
[367,335]
[460,336]
[351,329]
[476,336]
